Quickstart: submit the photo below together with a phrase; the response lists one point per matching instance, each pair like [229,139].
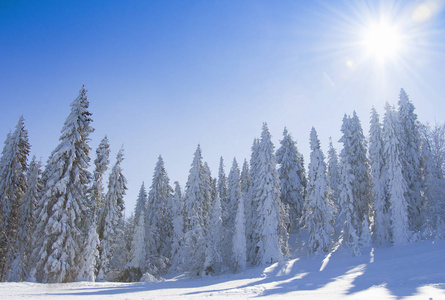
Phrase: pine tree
[137,251]
[318,218]
[63,207]
[90,253]
[213,261]
[433,161]
[193,251]
[13,168]
[178,227]
[233,198]
[333,175]
[112,219]
[410,158]
[292,180]
[101,162]
[349,237]
[396,181]
[252,207]
[20,268]
[379,175]
[266,196]
[239,250]
[159,227]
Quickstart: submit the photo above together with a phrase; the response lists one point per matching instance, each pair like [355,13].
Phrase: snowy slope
[412,271]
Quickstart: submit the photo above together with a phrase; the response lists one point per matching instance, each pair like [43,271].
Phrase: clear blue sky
[163,76]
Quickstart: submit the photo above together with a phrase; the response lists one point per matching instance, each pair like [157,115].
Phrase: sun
[382,41]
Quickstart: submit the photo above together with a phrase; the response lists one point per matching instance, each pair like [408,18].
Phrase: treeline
[62,225]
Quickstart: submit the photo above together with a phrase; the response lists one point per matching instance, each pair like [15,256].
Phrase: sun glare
[382,41]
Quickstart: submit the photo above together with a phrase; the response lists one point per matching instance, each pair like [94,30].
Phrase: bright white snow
[411,271]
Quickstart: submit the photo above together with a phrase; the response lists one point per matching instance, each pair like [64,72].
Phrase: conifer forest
[63,221]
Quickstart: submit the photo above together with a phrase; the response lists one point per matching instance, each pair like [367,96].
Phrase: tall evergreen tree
[213,255]
[159,226]
[13,168]
[194,233]
[333,175]
[233,198]
[138,249]
[396,181]
[266,196]
[64,209]
[318,216]
[112,219]
[410,158]
[239,250]
[252,207]
[20,268]
[101,162]
[382,230]
[348,216]
[178,227]
[292,178]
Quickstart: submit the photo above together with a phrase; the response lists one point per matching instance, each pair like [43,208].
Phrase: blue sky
[163,76]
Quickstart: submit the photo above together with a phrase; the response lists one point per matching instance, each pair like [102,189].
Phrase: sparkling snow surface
[411,271]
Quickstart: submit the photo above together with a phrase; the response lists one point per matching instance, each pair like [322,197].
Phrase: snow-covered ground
[412,271]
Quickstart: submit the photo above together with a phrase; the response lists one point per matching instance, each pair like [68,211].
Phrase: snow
[412,271]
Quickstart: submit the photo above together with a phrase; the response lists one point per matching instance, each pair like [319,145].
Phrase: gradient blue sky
[163,76]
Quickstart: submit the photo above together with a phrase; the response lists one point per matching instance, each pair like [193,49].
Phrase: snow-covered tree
[318,215]
[213,261]
[433,160]
[349,237]
[112,219]
[13,168]
[178,227]
[159,226]
[239,250]
[20,268]
[409,157]
[354,153]
[266,198]
[252,206]
[101,162]
[138,249]
[292,178]
[382,224]
[90,253]
[397,185]
[193,251]
[233,198]
[333,175]
[63,207]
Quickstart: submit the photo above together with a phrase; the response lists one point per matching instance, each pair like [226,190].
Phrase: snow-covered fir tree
[13,184]
[193,251]
[90,253]
[382,223]
[318,208]
[101,163]
[64,202]
[233,198]
[159,226]
[333,175]
[354,152]
[213,261]
[349,237]
[433,159]
[239,250]
[397,185]
[409,156]
[269,223]
[112,220]
[252,207]
[138,249]
[292,179]
[20,268]
[178,227]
